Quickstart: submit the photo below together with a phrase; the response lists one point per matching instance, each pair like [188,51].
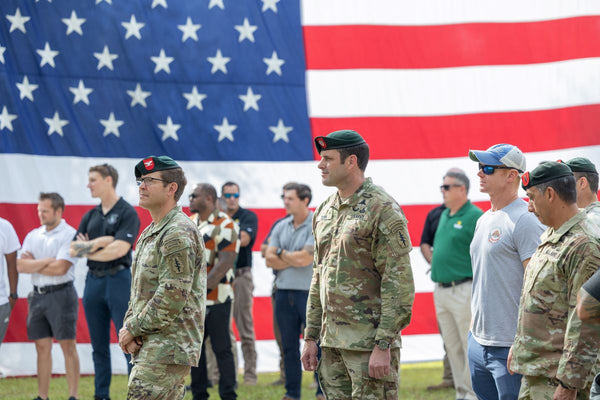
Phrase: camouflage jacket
[551,340]
[362,286]
[593,212]
[168,291]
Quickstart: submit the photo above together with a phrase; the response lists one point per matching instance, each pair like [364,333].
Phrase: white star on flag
[81,93]
[55,124]
[111,125]
[6,119]
[246,31]
[219,63]
[225,130]
[2,50]
[133,27]
[189,30]
[105,58]
[250,99]
[138,96]
[26,89]
[280,131]
[169,130]
[47,55]
[273,64]
[17,21]
[269,5]
[162,3]
[74,24]
[162,62]
[100,1]
[218,3]
[194,99]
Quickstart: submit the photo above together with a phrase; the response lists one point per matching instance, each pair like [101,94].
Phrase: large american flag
[236,90]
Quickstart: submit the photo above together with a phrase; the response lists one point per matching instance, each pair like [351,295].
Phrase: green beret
[581,164]
[338,140]
[153,164]
[545,172]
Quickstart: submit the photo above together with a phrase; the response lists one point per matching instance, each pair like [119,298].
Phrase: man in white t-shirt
[54,303]
[505,238]
[9,244]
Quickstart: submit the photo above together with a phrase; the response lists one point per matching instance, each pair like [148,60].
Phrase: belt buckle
[38,290]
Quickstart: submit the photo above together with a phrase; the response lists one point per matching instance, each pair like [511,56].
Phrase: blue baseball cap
[500,154]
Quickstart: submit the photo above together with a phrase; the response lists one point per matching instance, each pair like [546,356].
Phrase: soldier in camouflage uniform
[588,309]
[164,324]
[554,351]
[586,178]
[362,287]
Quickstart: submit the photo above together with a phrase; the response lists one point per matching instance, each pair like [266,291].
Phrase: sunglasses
[230,195]
[447,187]
[148,181]
[192,196]
[489,169]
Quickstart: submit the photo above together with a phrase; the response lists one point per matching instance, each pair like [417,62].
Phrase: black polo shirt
[247,221]
[431,223]
[121,222]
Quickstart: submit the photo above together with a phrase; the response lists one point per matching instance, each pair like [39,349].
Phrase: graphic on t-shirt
[458,225]
[494,235]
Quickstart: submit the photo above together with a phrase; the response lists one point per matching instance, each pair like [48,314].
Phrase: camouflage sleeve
[580,349]
[176,262]
[391,248]
[314,309]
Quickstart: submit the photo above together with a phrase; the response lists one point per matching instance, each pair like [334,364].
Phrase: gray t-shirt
[287,237]
[503,239]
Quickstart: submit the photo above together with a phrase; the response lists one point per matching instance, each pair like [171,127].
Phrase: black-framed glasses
[230,195]
[489,169]
[447,187]
[148,181]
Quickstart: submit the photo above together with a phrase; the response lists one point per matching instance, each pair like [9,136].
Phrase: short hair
[459,176]
[229,183]
[106,170]
[302,191]
[55,198]
[361,152]
[174,175]
[208,190]
[564,187]
[591,177]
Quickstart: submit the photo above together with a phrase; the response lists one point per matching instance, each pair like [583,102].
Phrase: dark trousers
[105,299]
[216,326]
[290,310]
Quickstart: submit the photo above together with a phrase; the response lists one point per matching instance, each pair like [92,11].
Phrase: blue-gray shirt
[287,237]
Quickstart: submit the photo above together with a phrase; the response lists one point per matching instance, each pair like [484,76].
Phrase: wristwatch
[383,344]
[279,251]
[13,296]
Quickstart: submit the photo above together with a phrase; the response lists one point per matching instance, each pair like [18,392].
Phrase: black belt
[455,283]
[100,273]
[51,288]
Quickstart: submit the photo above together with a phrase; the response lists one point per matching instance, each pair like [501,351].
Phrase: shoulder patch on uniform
[173,244]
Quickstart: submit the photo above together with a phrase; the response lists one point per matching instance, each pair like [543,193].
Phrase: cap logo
[525,179]
[559,160]
[322,143]
[149,164]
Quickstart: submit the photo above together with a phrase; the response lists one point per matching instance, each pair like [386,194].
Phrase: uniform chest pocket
[540,269]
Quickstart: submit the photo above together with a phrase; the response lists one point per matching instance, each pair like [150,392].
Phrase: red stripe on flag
[454,135]
[440,46]
[423,320]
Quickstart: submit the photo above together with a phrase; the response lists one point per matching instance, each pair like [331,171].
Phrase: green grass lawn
[414,379]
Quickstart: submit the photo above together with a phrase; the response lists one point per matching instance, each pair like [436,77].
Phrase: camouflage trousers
[157,381]
[344,374]
[542,388]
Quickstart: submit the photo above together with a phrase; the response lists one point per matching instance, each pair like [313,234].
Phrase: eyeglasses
[230,195]
[148,181]
[192,196]
[447,187]
[489,169]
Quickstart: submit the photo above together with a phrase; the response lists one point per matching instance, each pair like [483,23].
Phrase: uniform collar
[166,219]
[595,204]
[553,236]
[355,198]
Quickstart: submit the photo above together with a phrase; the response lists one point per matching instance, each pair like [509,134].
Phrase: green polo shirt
[451,260]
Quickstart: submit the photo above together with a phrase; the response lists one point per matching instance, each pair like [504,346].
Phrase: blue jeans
[489,376]
[290,311]
[105,299]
